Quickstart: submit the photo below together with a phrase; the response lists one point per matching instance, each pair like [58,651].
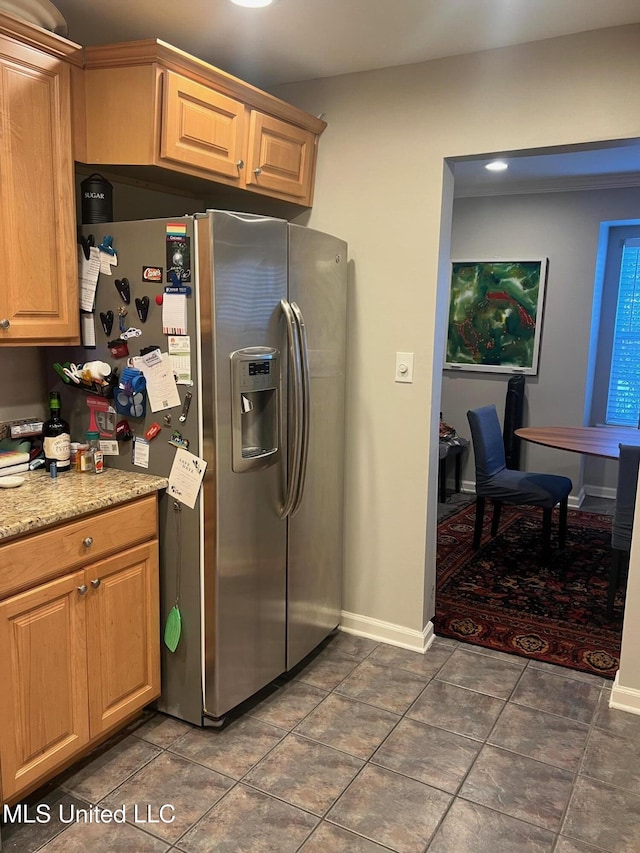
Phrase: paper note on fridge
[186,476]
[161,383]
[174,314]
[88,272]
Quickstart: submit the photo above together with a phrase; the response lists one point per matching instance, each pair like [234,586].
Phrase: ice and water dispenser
[255,407]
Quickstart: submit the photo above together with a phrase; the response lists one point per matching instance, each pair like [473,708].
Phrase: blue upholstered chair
[622,523]
[502,485]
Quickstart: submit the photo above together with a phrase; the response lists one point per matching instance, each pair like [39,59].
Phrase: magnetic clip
[87,243]
[106,245]
[106,318]
[122,286]
[142,307]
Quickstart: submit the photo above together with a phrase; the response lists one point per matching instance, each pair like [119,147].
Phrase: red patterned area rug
[504,597]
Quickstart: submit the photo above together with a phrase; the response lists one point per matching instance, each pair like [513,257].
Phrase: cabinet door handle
[88,542]
[240,164]
[4,324]
[257,172]
[82,589]
[95,583]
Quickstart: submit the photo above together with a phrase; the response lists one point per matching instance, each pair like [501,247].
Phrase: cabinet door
[38,297]
[123,635]
[280,158]
[43,699]
[201,128]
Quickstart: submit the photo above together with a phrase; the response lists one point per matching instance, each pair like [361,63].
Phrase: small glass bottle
[95,452]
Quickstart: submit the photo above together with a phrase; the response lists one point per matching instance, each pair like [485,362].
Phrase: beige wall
[380,187]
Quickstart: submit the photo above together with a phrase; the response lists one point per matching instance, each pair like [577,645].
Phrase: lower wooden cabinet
[80,654]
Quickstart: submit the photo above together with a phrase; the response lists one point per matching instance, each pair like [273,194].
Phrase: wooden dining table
[594,441]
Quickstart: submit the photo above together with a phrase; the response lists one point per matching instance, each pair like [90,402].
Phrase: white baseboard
[387,632]
[575,502]
[624,698]
[601,492]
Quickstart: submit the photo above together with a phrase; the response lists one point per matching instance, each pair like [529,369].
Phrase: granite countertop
[41,501]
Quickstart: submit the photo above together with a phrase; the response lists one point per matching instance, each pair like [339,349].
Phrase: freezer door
[318,287]
[244,258]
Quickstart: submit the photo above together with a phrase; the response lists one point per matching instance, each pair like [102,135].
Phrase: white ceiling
[295,40]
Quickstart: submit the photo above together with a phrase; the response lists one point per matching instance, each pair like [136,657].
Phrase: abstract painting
[495,315]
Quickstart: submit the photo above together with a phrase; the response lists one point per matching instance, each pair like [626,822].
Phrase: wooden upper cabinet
[281,157]
[201,128]
[183,115]
[39,293]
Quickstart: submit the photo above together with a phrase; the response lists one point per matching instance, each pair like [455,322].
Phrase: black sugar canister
[96,199]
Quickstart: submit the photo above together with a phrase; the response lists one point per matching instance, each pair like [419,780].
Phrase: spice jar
[95,452]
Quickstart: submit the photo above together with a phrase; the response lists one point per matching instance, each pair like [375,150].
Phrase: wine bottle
[57,438]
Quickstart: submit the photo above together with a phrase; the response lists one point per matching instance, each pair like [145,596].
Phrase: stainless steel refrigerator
[256,566]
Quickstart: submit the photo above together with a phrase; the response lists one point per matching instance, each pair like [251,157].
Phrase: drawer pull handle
[82,589]
[240,164]
[257,172]
[95,583]
[4,324]
[88,542]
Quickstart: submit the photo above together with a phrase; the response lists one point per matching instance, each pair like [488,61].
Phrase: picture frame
[495,315]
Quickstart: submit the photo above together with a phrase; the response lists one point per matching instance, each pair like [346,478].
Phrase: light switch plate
[404,367]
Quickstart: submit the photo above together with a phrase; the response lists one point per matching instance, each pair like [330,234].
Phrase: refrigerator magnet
[118,348]
[152,431]
[178,252]
[142,308]
[152,274]
[177,440]
[124,289]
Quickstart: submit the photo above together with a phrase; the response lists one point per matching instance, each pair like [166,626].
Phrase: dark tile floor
[371,748]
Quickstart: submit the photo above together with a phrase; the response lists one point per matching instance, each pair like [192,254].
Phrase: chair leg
[495,519]
[614,580]
[562,523]
[477,530]
[458,461]
[546,530]
[442,480]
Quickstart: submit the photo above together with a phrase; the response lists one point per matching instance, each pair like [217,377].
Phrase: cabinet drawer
[41,556]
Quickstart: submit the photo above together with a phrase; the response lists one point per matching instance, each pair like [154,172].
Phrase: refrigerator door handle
[306,403]
[295,410]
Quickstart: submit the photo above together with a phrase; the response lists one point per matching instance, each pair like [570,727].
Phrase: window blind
[623,402]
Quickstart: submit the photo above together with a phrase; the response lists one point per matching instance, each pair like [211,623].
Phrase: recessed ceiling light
[497,166]
[253,4]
